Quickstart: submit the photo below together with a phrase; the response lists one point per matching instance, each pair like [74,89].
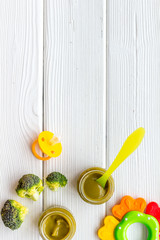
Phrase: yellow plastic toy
[107,231]
[48,144]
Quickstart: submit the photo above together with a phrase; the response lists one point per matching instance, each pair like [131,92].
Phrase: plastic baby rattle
[128,212]
[48,144]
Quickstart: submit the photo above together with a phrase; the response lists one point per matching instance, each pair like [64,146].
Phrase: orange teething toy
[48,144]
[128,204]
[107,231]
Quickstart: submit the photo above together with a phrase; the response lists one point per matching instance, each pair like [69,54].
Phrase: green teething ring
[137,217]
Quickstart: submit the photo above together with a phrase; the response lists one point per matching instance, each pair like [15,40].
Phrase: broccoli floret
[56,180]
[29,186]
[13,214]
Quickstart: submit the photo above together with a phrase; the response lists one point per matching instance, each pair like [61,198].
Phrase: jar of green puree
[90,191]
[57,223]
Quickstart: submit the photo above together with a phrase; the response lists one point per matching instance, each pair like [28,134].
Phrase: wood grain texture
[74,106]
[133,90]
[21,53]
[74,94]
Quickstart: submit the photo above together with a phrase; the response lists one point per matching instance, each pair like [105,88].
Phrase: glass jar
[67,230]
[90,191]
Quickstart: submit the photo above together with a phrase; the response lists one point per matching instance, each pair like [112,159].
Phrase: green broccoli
[13,214]
[29,186]
[56,180]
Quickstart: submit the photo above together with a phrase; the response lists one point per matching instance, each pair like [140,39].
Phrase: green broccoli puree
[55,227]
[92,189]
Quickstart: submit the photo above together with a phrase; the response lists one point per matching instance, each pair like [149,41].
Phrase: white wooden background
[88,70]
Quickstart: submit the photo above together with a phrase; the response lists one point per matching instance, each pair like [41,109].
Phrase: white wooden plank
[75,100]
[133,97]
[21,53]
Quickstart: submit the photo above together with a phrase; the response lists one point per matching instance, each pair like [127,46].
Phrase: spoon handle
[129,146]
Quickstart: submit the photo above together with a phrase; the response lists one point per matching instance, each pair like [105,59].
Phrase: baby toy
[48,144]
[130,211]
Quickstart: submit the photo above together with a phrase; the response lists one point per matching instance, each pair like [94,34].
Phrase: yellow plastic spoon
[129,146]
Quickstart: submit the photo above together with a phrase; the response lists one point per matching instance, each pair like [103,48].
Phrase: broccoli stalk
[35,196]
[56,180]
[13,214]
[30,186]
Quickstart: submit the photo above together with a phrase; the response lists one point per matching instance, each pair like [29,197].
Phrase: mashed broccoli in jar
[57,223]
[55,227]
[90,191]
